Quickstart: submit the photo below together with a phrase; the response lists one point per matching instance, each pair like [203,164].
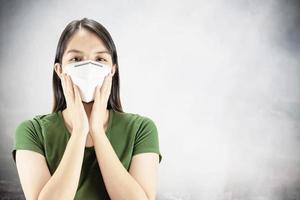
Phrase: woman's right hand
[75,109]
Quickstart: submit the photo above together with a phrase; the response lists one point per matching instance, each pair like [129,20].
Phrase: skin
[87,123]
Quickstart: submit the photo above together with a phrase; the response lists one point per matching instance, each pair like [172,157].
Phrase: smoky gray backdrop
[219,78]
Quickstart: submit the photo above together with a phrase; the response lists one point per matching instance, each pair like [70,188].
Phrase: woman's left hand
[98,113]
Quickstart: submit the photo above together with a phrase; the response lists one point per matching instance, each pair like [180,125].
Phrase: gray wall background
[219,78]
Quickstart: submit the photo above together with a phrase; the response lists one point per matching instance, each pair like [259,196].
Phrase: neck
[88,108]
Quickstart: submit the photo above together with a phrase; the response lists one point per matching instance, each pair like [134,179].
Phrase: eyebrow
[77,51]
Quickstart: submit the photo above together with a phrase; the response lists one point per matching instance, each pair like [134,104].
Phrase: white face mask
[87,75]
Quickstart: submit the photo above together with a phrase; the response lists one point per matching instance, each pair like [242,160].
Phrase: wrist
[80,139]
[98,132]
[79,134]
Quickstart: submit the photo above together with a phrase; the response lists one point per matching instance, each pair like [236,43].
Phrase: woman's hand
[75,109]
[97,117]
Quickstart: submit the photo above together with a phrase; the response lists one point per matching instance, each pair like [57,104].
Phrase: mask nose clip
[87,62]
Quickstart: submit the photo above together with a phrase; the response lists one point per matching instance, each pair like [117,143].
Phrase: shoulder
[29,134]
[136,119]
[36,123]
[145,133]
[46,119]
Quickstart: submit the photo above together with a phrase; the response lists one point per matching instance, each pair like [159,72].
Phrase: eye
[100,59]
[75,59]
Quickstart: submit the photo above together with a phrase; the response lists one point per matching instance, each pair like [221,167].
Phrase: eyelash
[102,59]
[72,59]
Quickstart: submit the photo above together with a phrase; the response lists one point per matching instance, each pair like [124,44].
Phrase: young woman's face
[85,45]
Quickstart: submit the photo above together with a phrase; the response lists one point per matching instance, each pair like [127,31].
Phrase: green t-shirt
[128,133]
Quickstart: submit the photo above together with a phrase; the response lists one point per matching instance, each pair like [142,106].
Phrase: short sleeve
[146,139]
[27,137]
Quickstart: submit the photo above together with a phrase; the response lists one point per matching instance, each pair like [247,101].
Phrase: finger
[100,90]
[97,91]
[70,87]
[104,85]
[67,90]
[77,93]
[108,84]
[62,80]
[64,86]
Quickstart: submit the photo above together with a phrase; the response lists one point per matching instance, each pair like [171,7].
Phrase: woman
[87,148]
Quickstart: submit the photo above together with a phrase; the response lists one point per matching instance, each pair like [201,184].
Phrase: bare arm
[139,184]
[35,177]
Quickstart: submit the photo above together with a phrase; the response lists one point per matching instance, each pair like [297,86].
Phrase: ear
[58,69]
[114,67]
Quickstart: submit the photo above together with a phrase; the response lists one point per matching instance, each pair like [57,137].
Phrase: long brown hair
[114,101]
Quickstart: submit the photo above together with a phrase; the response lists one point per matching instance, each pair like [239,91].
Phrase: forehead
[85,41]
